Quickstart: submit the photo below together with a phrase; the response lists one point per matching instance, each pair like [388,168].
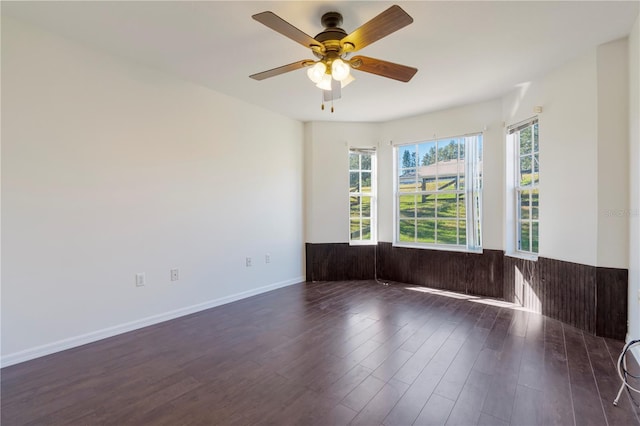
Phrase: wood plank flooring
[323,353]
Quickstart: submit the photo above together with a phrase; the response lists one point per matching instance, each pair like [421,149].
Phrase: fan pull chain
[322,100]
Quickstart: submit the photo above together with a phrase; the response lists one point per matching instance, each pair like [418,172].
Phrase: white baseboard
[72,342]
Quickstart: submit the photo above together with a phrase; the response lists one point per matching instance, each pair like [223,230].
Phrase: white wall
[583,152]
[613,153]
[109,169]
[328,178]
[568,156]
[327,170]
[634,184]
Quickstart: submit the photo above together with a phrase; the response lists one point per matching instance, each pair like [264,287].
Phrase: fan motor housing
[331,34]
[331,21]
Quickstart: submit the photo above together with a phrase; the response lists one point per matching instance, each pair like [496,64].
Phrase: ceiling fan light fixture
[317,72]
[332,47]
[340,70]
[325,82]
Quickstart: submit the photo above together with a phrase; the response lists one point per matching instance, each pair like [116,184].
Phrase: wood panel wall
[591,298]
[470,273]
[430,268]
[611,302]
[339,262]
[587,297]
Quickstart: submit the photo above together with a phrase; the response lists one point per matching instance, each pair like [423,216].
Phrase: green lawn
[529,203]
[440,231]
[529,236]
[433,218]
[357,225]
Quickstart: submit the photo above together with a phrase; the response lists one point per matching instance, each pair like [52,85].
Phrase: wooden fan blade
[278,24]
[281,70]
[384,68]
[389,21]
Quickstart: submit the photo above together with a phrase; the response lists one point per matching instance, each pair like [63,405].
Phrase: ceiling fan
[333,46]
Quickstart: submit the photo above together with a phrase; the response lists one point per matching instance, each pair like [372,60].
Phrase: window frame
[472,193]
[513,134]
[372,194]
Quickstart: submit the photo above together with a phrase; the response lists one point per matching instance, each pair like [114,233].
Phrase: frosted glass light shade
[340,70]
[317,72]
[325,83]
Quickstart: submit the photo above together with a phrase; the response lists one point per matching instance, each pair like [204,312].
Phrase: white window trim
[468,192]
[522,255]
[512,173]
[440,247]
[373,194]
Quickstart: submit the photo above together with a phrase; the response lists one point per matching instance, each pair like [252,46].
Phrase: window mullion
[531,206]
[360,198]
[530,224]
[415,197]
[468,172]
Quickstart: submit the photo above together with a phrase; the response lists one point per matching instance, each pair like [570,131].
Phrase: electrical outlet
[140,279]
[248,261]
[175,274]
[267,258]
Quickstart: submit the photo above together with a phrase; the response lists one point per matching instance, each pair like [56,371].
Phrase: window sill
[363,243]
[438,247]
[523,256]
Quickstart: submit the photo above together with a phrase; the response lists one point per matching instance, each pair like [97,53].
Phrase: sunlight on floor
[471,298]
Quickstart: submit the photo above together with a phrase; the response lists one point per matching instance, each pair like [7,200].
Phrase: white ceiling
[465,51]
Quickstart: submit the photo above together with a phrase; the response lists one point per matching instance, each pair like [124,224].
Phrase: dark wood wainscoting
[591,298]
[611,307]
[471,273]
[339,262]
[478,274]
[560,290]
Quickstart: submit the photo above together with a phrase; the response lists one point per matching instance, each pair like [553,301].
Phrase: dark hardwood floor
[331,353]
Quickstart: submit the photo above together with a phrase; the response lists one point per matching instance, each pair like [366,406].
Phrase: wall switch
[248,261]
[140,279]
[267,258]
[175,274]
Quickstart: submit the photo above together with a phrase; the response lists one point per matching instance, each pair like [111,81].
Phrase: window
[439,193]
[362,196]
[524,137]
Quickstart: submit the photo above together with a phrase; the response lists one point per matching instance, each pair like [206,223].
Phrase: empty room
[320,213]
